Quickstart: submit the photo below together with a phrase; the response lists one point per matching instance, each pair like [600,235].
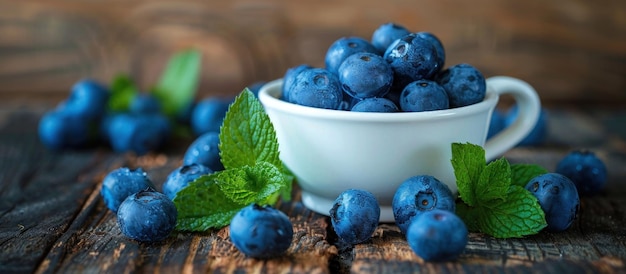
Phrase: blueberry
[354,216]
[497,123]
[59,129]
[464,84]
[423,95]
[417,195]
[557,197]
[539,132]
[437,235]
[386,33]
[144,103]
[205,150]
[585,170]
[88,99]
[412,58]
[290,78]
[344,47]
[375,105]
[316,87]
[137,133]
[121,183]
[181,177]
[208,114]
[441,53]
[261,231]
[147,216]
[364,75]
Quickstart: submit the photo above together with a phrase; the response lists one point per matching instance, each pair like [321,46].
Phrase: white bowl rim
[270,92]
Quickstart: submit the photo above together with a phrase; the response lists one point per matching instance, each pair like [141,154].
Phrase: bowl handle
[529,108]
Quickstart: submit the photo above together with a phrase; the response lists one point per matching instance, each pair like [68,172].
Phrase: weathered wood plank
[571,51]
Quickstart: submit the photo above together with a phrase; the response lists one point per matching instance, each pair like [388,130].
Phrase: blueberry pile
[397,70]
[86,119]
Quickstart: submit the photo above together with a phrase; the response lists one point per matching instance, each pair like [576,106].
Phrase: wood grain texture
[570,51]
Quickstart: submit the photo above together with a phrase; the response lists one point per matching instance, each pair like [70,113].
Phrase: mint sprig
[492,199]
[253,171]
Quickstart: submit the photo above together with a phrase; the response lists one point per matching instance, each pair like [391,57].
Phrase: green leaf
[252,184]
[123,90]
[494,182]
[468,161]
[521,174]
[521,215]
[247,135]
[178,83]
[202,205]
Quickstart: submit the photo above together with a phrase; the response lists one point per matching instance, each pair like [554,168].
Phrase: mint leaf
[123,90]
[177,85]
[493,182]
[521,174]
[250,184]
[468,161]
[253,171]
[247,135]
[489,202]
[521,215]
[202,205]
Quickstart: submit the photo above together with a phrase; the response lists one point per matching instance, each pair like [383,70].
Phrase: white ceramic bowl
[330,151]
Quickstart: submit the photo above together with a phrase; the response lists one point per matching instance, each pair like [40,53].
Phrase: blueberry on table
[354,216]
[364,75]
[137,133]
[290,77]
[59,129]
[437,235]
[120,183]
[343,47]
[145,103]
[537,135]
[88,99]
[417,195]
[386,34]
[441,53]
[585,170]
[558,198]
[318,88]
[181,177]
[205,150]
[423,95]
[208,114]
[375,104]
[464,84]
[147,216]
[411,58]
[261,231]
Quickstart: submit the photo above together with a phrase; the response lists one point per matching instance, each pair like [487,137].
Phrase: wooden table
[53,220]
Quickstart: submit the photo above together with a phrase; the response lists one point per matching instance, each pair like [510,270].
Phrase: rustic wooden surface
[53,220]
[572,51]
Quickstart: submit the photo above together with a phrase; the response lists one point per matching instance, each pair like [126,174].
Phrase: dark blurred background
[571,51]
